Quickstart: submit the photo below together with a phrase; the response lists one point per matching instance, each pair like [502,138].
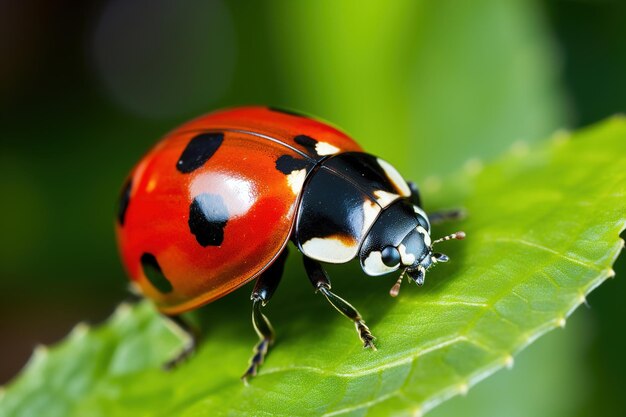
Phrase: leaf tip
[122,310]
[582,299]
[80,330]
[417,413]
[509,361]
[610,273]
[40,352]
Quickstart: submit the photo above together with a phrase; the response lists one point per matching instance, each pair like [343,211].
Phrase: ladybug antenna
[395,290]
[453,236]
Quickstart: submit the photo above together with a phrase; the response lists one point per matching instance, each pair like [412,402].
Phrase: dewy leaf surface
[542,230]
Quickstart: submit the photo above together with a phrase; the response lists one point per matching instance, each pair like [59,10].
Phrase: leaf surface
[542,230]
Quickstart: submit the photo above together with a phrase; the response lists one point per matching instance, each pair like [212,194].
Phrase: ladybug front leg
[263,291]
[320,280]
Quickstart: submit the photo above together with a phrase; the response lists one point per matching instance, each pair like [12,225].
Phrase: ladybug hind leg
[193,336]
[443,216]
[438,216]
[320,280]
[263,291]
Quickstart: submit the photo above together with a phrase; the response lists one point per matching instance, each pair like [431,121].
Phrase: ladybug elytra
[264,177]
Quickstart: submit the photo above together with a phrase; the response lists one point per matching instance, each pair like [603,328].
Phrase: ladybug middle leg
[320,280]
[263,291]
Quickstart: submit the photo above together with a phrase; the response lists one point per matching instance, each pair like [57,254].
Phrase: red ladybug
[213,205]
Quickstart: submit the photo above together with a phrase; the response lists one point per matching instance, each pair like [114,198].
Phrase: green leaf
[542,230]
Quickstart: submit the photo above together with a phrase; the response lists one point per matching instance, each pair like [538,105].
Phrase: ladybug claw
[260,351]
[182,356]
[366,336]
[369,344]
[250,372]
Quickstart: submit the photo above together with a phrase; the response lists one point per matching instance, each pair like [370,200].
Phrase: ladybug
[213,205]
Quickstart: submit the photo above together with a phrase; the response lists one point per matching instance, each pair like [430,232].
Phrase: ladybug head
[413,243]
[400,239]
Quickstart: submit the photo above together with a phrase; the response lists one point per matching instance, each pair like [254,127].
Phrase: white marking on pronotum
[425,234]
[419,211]
[374,266]
[329,249]
[296,180]
[370,213]
[384,198]
[325,148]
[394,176]
[422,213]
[407,258]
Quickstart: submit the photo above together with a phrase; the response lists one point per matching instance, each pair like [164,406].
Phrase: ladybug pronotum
[213,205]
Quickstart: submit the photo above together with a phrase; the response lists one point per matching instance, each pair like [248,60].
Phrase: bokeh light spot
[164,59]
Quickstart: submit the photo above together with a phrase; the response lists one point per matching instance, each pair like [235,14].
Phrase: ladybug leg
[183,325]
[320,280]
[263,291]
[415,194]
[438,216]
[446,215]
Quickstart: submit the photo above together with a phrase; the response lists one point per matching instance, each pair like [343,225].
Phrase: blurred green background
[86,87]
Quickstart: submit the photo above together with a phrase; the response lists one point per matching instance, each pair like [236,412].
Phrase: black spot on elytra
[152,271]
[306,141]
[287,164]
[286,111]
[199,150]
[123,202]
[207,218]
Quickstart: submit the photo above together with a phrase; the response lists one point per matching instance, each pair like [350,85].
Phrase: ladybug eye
[390,256]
